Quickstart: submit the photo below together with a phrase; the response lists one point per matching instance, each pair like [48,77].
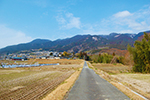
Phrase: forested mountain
[78,43]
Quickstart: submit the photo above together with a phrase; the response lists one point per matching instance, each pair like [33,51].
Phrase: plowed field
[34,82]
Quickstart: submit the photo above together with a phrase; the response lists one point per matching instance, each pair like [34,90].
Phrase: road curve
[90,86]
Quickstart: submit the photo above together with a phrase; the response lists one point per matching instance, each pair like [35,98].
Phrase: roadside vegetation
[107,58]
[112,68]
[119,73]
[83,55]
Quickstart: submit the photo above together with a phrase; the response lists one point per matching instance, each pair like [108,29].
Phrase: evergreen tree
[141,54]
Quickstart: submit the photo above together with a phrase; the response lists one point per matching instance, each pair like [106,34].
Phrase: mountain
[88,42]
[121,41]
[43,43]
[139,36]
[78,43]
[39,41]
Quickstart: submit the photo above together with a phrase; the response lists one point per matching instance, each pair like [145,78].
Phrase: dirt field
[43,61]
[60,92]
[35,82]
[120,73]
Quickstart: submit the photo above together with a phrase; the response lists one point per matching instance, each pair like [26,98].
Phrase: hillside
[114,50]
[78,43]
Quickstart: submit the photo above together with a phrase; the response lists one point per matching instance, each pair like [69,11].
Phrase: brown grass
[126,91]
[120,73]
[113,68]
[44,61]
[137,82]
[60,61]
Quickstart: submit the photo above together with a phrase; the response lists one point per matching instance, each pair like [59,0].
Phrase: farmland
[115,73]
[113,68]
[35,82]
[42,61]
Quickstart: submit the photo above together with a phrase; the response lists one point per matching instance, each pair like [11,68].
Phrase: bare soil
[44,61]
[34,82]
[60,91]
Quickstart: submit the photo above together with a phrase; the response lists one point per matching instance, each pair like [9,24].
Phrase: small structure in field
[19,58]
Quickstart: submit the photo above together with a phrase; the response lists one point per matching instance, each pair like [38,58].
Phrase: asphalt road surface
[90,86]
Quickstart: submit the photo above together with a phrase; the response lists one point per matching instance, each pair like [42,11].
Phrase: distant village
[37,54]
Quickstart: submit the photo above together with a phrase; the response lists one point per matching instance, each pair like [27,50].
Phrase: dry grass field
[113,68]
[121,73]
[43,61]
[136,81]
[35,82]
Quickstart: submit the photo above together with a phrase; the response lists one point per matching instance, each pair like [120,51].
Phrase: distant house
[43,57]
[55,54]
[19,58]
[57,57]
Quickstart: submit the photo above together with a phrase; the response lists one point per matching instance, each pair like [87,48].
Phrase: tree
[73,54]
[141,54]
[1,65]
[102,58]
[81,55]
[113,54]
[65,54]
[85,56]
[51,54]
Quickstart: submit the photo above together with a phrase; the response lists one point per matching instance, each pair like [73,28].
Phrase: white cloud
[69,15]
[122,22]
[10,37]
[122,14]
[125,31]
[68,21]
[131,22]
[60,20]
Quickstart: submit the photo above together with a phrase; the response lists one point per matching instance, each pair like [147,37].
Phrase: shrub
[101,58]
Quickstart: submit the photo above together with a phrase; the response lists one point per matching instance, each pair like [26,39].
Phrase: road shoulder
[61,90]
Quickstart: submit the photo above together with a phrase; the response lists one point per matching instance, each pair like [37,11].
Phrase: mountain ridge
[78,43]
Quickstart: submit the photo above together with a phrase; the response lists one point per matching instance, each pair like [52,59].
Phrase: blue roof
[18,58]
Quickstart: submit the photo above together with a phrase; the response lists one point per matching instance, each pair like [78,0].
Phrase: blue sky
[22,21]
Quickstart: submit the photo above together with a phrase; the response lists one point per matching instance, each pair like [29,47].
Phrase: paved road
[91,86]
